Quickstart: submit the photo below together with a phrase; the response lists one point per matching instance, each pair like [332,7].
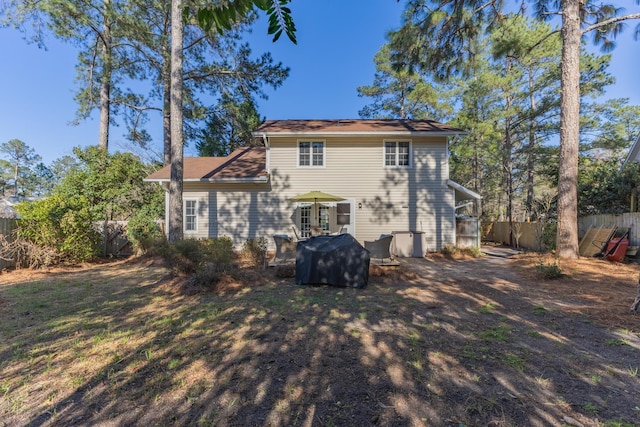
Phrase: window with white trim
[397,153]
[311,153]
[191,215]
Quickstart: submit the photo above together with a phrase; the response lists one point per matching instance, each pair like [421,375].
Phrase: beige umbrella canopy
[316,197]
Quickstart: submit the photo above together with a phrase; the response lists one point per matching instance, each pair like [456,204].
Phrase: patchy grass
[433,342]
[549,271]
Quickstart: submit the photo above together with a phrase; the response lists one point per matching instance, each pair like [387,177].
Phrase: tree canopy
[443,37]
[102,187]
[19,157]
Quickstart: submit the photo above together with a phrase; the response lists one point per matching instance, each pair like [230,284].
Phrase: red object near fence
[617,248]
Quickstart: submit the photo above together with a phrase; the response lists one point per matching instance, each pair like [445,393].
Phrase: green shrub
[185,255]
[189,256]
[255,250]
[143,231]
[449,250]
[549,271]
[63,224]
[208,275]
[549,235]
[101,186]
[473,251]
[219,250]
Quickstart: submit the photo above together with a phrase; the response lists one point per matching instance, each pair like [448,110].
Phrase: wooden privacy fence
[631,220]
[114,239]
[468,232]
[526,235]
[499,231]
[7,225]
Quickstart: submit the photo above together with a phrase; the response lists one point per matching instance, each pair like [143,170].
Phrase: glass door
[345,218]
[323,212]
[305,221]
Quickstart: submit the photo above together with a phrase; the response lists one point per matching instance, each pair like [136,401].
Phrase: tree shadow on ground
[429,343]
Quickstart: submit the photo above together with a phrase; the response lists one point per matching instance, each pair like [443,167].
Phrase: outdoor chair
[317,230]
[381,248]
[343,230]
[285,247]
[295,233]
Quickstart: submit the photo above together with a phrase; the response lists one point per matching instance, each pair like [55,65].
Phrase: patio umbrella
[316,197]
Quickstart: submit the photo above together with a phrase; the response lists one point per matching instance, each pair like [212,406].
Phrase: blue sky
[337,40]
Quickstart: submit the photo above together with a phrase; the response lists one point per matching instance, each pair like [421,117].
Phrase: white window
[310,153]
[397,153]
[190,215]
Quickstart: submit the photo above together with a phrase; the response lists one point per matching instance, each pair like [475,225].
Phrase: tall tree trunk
[105,80]
[166,102]
[478,175]
[166,110]
[15,179]
[177,142]
[507,155]
[478,172]
[531,149]
[508,170]
[567,236]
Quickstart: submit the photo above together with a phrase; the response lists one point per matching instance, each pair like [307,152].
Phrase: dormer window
[397,153]
[311,153]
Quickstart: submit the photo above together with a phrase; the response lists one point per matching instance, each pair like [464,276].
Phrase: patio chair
[343,230]
[317,230]
[380,248]
[295,233]
[285,247]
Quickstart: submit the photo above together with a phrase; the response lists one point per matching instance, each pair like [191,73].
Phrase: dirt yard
[433,342]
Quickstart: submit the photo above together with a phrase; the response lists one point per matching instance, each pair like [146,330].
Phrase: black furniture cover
[336,260]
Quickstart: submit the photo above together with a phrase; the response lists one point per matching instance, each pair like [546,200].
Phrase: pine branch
[610,21]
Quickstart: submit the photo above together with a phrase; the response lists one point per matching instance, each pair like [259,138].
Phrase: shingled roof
[337,127]
[244,164]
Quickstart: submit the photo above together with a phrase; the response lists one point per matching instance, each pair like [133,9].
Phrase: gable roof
[245,164]
[355,127]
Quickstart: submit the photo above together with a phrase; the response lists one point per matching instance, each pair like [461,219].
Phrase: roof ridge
[424,126]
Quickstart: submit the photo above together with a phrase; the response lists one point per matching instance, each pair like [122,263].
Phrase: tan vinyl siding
[354,169]
[239,211]
[393,199]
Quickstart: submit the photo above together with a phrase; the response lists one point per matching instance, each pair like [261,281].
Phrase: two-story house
[393,176]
